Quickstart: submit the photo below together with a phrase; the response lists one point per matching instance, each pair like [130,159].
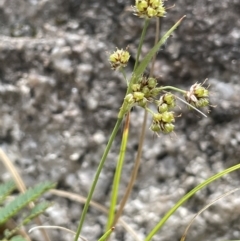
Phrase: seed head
[168,127]
[166,102]
[149,8]
[163,122]
[168,117]
[138,96]
[129,99]
[119,58]
[197,96]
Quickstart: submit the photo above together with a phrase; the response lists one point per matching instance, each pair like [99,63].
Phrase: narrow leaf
[105,235]
[146,60]
[187,196]
[118,172]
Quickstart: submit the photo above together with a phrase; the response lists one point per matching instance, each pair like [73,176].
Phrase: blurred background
[59,101]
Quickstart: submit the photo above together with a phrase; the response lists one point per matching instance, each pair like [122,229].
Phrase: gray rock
[59,101]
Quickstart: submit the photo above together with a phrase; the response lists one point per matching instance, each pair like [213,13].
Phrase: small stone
[74,157]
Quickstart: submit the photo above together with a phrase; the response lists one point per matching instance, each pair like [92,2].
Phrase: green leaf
[23,199]
[17,238]
[146,60]
[37,210]
[5,189]
[186,197]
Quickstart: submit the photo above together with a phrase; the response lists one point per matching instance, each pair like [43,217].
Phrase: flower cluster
[163,120]
[119,58]
[149,8]
[147,86]
[197,96]
[166,102]
[143,91]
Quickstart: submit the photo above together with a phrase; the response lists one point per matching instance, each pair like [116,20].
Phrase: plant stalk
[118,173]
[96,177]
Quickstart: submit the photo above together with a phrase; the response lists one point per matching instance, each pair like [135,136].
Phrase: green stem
[99,169]
[103,238]
[124,74]
[145,61]
[134,172]
[150,111]
[118,172]
[172,88]
[146,23]
[186,197]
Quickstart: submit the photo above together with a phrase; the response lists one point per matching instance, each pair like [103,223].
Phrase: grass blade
[118,173]
[186,197]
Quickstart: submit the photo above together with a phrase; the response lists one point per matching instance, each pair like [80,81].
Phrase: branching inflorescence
[143,90]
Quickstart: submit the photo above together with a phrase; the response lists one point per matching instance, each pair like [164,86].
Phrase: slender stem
[150,111]
[141,140]
[145,61]
[97,174]
[157,34]
[205,208]
[133,79]
[124,74]
[186,197]
[51,227]
[172,88]
[134,172]
[106,235]
[191,106]
[118,172]
[141,43]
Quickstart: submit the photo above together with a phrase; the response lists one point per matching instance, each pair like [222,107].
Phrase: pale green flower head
[149,8]
[119,58]
[197,96]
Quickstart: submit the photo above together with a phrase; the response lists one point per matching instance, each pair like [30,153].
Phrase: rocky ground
[59,100]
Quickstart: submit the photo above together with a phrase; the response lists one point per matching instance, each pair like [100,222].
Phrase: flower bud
[166,102]
[168,127]
[152,83]
[129,99]
[168,117]
[197,96]
[138,96]
[155,127]
[162,108]
[203,102]
[157,117]
[149,8]
[145,90]
[136,87]
[143,102]
[119,58]
[169,99]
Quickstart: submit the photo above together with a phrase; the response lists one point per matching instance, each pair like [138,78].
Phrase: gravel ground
[59,100]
